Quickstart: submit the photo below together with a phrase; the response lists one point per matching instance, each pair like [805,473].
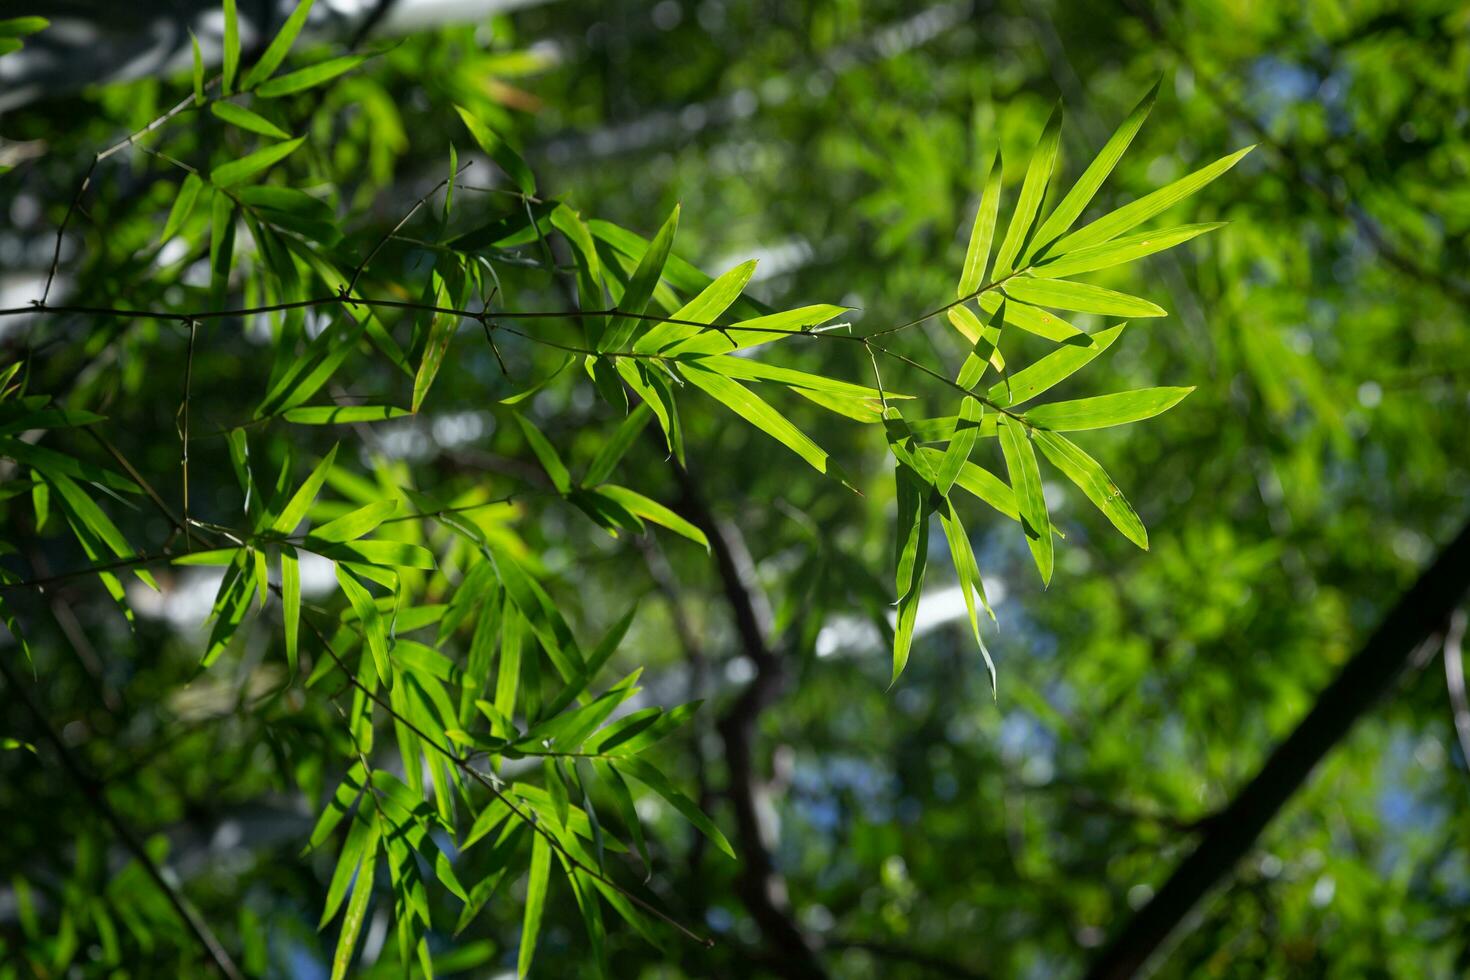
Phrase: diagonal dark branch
[761,886]
[1419,614]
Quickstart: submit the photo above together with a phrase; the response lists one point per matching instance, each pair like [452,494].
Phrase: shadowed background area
[929,829]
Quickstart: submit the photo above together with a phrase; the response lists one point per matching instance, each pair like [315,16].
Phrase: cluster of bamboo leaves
[510,741]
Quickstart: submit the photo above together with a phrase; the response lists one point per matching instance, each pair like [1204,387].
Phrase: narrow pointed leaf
[754,410]
[296,507]
[547,454]
[706,307]
[659,783]
[309,77]
[1071,207]
[977,254]
[1052,369]
[1120,250]
[1026,482]
[291,603]
[1102,411]
[497,149]
[279,47]
[536,883]
[232,48]
[1132,215]
[229,174]
[245,119]
[1033,189]
[1093,480]
[640,286]
[1081,297]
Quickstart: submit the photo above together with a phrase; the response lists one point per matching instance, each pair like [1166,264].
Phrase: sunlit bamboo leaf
[1081,297]
[309,77]
[229,174]
[279,47]
[245,119]
[1093,481]
[1102,411]
[536,883]
[231,48]
[1128,248]
[1026,482]
[497,149]
[977,253]
[1033,189]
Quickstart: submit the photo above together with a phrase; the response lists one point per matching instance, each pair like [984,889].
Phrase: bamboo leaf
[309,77]
[640,286]
[971,583]
[977,253]
[754,410]
[232,48]
[245,119]
[229,174]
[1102,411]
[1026,482]
[652,510]
[342,414]
[183,206]
[547,454]
[761,330]
[958,452]
[1033,189]
[279,47]
[291,603]
[1081,297]
[912,555]
[1111,225]
[1120,250]
[372,621]
[1052,369]
[353,525]
[356,915]
[1093,480]
[295,509]
[706,307]
[1082,193]
[613,449]
[659,783]
[497,149]
[536,883]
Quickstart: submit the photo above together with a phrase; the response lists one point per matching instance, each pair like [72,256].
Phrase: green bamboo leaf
[680,274]
[622,799]
[977,480]
[229,174]
[536,883]
[302,499]
[291,603]
[232,48]
[635,732]
[231,604]
[21,26]
[706,307]
[1120,250]
[1026,482]
[362,837]
[967,430]
[279,47]
[547,454]
[342,414]
[497,149]
[52,464]
[1081,297]
[640,286]
[1033,189]
[353,525]
[912,555]
[761,330]
[309,77]
[1093,480]
[653,388]
[1111,225]
[977,254]
[198,69]
[971,583]
[372,621]
[442,328]
[183,206]
[1102,411]
[513,628]
[84,509]
[754,410]
[388,554]
[749,369]
[245,119]
[600,656]
[355,917]
[1052,369]
[986,345]
[1082,193]
[652,510]
[613,449]
[659,783]
[1030,318]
